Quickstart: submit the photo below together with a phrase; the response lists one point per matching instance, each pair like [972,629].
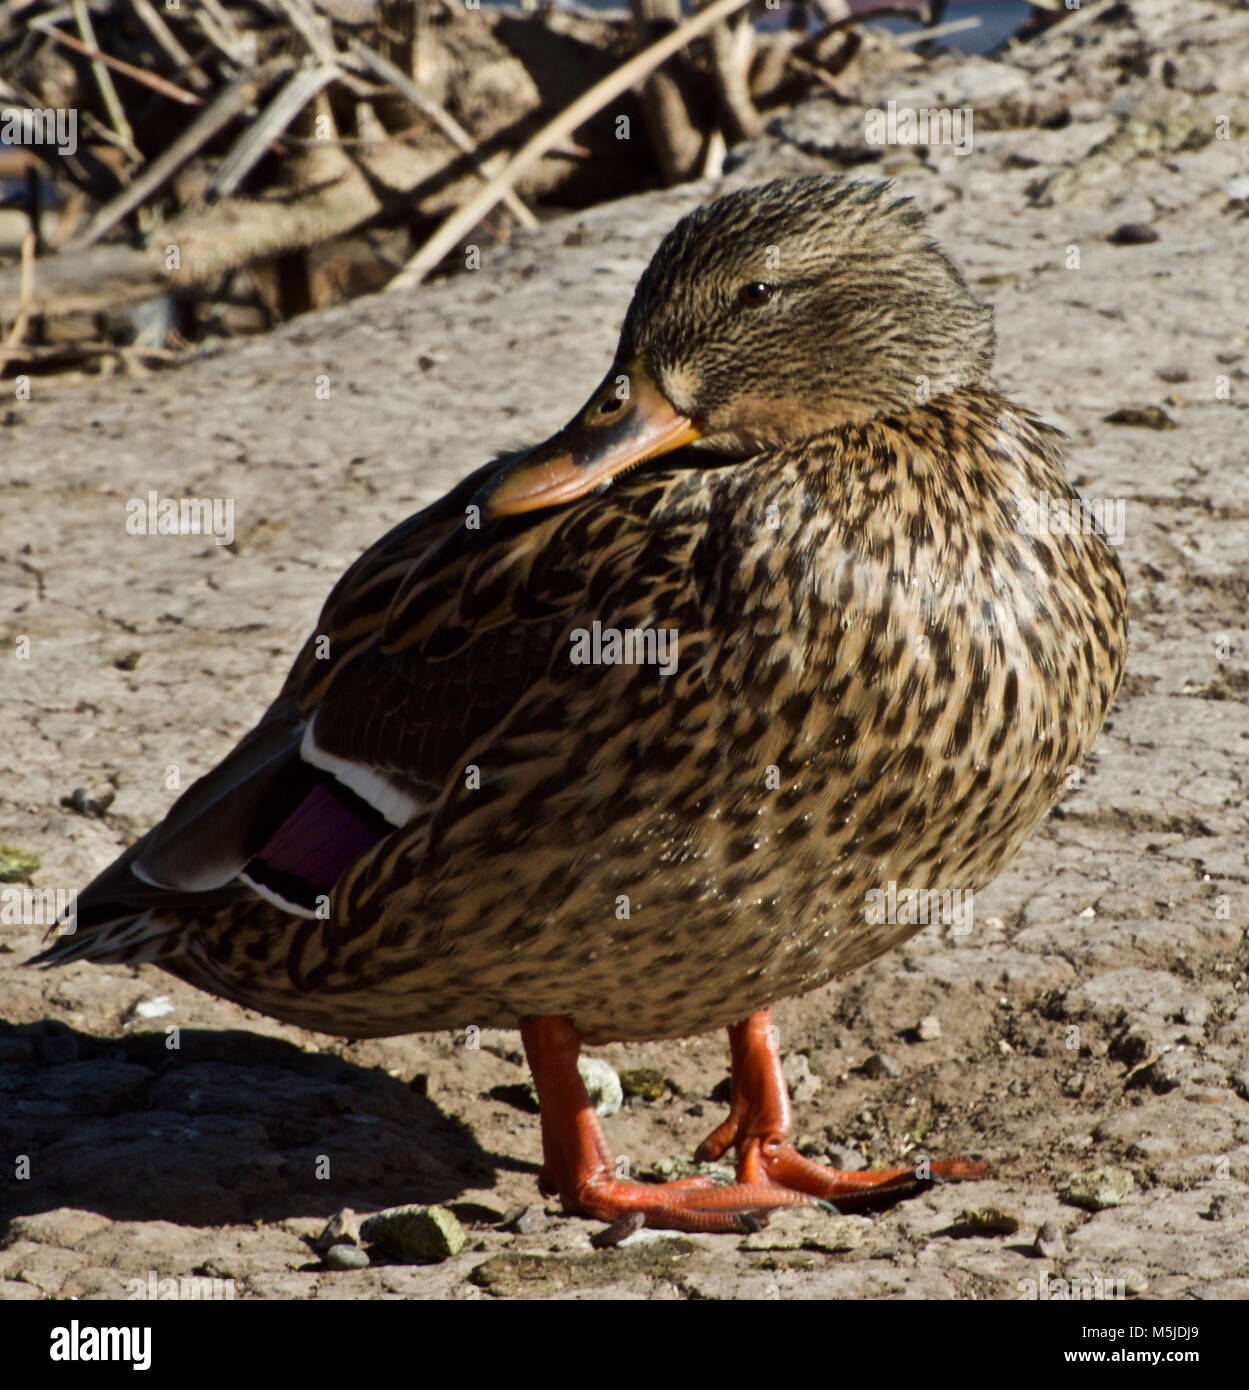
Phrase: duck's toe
[778,1162]
[758,1125]
[689,1204]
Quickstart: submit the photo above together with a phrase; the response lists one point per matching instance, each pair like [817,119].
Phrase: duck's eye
[756,293]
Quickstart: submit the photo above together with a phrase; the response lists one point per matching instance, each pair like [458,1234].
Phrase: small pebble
[1133,1045]
[1097,1189]
[1146,417]
[343,1228]
[880,1066]
[1167,1073]
[929,1028]
[1221,1207]
[602,1084]
[346,1257]
[644,1082]
[154,1008]
[846,1160]
[1133,234]
[415,1233]
[803,1085]
[16,864]
[525,1221]
[1134,1283]
[1050,1242]
[81,800]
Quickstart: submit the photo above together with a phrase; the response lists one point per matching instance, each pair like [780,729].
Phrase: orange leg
[758,1126]
[577,1163]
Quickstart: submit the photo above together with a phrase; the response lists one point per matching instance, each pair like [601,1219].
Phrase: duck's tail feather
[265,823]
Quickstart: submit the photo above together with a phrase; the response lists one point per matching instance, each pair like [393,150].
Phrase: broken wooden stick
[148,79]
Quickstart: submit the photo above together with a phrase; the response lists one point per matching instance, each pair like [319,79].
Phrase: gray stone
[803,1084]
[880,1066]
[1050,1242]
[346,1257]
[526,1221]
[1097,1189]
[1169,1071]
[343,1228]
[602,1084]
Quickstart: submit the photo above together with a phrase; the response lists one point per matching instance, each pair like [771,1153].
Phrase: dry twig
[586,105]
[147,15]
[300,88]
[228,103]
[148,79]
[103,80]
[447,123]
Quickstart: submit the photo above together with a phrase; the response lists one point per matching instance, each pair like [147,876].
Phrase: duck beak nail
[627,420]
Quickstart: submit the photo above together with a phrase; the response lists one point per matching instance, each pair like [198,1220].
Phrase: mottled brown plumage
[881,676]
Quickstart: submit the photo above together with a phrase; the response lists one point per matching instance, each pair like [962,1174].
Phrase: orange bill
[627,420]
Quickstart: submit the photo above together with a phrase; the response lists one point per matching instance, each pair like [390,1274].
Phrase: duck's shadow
[227,1127]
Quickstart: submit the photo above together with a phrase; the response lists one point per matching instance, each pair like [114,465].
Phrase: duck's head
[770,316]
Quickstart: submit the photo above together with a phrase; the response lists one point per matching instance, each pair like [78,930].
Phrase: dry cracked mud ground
[1097,1014]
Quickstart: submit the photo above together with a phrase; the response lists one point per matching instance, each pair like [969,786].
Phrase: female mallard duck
[615,740]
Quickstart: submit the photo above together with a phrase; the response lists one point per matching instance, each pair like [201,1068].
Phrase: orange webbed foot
[758,1125]
[771,1173]
[578,1165]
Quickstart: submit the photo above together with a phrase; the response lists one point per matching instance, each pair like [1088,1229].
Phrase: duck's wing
[424,646]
